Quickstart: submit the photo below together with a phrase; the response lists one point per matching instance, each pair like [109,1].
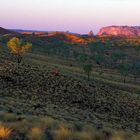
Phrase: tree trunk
[124,80]
[135,78]
[19,59]
[88,76]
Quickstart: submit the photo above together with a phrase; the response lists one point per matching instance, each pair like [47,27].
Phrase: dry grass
[47,122]
[7,117]
[36,128]
[117,138]
[82,136]
[137,137]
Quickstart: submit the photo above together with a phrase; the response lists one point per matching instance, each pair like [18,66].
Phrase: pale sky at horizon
[79,16]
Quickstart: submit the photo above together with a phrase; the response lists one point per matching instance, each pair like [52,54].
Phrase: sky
[78,16]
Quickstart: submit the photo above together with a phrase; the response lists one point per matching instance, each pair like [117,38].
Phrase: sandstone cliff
[120,31]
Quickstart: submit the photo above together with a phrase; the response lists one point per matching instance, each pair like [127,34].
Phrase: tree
[117,58]
[82,58]
[135,70]
[99,58]
[124,70]
[137,49]
[87,69]
[97,47]
[18,48]
[91,34]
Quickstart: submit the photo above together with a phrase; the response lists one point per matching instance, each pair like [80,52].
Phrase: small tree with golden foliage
[18,48]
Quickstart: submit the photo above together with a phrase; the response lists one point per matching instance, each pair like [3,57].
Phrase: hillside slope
[28,89]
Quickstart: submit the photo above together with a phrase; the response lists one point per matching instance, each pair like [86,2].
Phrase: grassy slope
[103,102]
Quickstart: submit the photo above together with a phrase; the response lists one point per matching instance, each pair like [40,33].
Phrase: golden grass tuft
[36,133]
[5,132]
[62,134]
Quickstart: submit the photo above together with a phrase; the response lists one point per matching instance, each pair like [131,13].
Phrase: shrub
[88,69]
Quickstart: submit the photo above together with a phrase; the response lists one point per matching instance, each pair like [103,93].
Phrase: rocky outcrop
[120,31]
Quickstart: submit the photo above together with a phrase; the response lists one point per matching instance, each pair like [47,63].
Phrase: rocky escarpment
[120,31]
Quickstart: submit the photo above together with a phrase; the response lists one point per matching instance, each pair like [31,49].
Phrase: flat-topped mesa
[120,31]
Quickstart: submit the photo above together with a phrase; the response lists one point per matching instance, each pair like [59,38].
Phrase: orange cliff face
[73,38]
[120,31]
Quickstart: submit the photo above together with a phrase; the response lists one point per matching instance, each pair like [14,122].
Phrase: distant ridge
[120,31]
[4,31]
[125,31]
[40,31]
[22,30]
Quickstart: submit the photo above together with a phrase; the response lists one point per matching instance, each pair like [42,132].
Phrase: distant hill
[120,31]
[22,31]
[5,31]
[39,32]
[126,31]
